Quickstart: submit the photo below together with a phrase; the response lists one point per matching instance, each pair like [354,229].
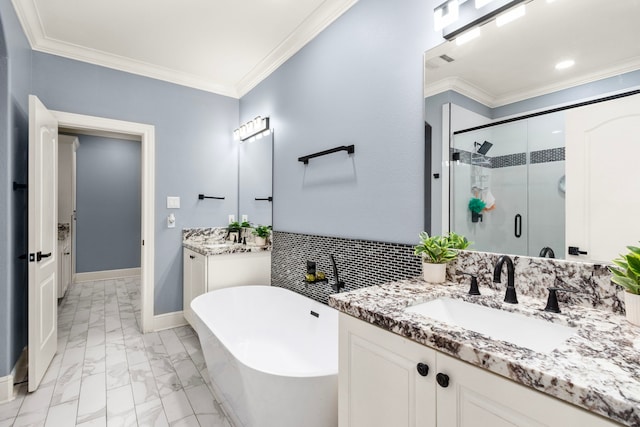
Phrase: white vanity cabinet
[378,382]
[380,386]
[206,273]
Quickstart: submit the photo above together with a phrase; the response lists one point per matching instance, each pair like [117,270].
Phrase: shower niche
[507,182]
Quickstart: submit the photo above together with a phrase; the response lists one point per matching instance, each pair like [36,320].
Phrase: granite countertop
[221,248]
[597,369]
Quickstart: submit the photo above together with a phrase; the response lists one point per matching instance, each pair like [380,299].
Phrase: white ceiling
[517,61]
[222,46]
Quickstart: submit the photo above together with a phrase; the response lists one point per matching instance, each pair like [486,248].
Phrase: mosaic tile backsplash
[364,263]
[360,263]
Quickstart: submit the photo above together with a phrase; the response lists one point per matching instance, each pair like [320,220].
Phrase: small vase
[632,307]
[260,241]
[434,273]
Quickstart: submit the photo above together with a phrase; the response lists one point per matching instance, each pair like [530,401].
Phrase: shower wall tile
[516,159]
[545,156]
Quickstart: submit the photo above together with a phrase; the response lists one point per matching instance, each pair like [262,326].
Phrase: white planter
[261,241]
[434,273]
[632,307]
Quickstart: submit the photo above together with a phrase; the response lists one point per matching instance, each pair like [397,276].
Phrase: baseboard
[107,274]
[6,383]
[6,388]
[168,320]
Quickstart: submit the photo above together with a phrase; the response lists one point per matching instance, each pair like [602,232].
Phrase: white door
[43,230]
[602,204]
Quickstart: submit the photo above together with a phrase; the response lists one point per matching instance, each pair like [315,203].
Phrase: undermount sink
[523,331]
[215,245]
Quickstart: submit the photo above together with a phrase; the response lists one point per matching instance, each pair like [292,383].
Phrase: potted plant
[262,233]
[234,230]
[626,273]
[436,252]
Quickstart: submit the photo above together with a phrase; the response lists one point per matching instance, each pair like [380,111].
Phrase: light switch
[173,202]
[232,218]
[245,218]
[171,221]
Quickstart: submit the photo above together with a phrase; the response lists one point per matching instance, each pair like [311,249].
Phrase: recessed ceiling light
[565,64]
[512,15]
[469,35]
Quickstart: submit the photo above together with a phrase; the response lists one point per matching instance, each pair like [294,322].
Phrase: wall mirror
[501,108]
[255,182]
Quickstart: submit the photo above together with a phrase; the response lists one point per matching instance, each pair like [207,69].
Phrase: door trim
[146,133]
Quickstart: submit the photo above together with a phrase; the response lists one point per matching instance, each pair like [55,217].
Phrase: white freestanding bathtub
[272,356]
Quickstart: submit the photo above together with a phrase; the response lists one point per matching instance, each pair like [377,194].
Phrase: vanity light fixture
[458,18]
[511,15]
[565,64]
[482,3]
[252,130]
[445,14]
[468,36]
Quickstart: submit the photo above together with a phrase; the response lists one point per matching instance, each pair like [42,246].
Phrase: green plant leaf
[617,271]
[634,249]
[625,282]
[633,262]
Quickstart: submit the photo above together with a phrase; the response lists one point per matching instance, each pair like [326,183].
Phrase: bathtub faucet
[339,284]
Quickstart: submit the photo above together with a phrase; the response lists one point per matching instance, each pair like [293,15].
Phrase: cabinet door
[379,383]
[194,280]
[476,397]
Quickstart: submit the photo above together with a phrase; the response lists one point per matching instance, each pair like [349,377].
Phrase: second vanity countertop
[598,368]
[207,249]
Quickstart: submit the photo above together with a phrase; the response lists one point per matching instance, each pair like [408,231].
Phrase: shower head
[484,147]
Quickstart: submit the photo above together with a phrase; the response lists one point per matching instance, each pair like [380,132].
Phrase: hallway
[107,373]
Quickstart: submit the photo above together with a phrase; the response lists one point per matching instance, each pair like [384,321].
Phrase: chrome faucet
[510,296]
[339,284]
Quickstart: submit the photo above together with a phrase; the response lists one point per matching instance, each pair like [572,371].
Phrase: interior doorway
[90,125]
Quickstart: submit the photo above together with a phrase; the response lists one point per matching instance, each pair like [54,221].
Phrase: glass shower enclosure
[507,185]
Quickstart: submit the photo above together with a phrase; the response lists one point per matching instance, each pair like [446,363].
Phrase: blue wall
[108,204]
[194,149]
[15,74]
[359,82]
[194,154]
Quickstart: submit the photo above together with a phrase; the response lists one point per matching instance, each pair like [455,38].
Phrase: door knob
[443,380]
[40,255]
[423,369]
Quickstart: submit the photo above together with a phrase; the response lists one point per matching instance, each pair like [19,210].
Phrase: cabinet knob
[443,380]
[192,257]
[423,369]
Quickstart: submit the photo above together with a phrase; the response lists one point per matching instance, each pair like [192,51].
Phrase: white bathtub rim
[195,303]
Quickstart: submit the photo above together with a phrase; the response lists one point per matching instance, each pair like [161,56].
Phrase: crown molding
[461,86]
[321,18]
[632,65]
[464,88]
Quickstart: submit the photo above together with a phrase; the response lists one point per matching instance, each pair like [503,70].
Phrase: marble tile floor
[107,373]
